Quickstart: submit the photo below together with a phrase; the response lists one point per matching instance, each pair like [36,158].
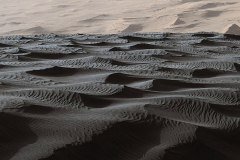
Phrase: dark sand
[148,96]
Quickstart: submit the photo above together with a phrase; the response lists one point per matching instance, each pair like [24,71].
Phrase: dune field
[119,80]
[129,96]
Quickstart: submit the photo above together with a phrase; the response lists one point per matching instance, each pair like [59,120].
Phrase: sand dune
[178,21]
[116,16]
[119,80]
[231,29]
[125,96]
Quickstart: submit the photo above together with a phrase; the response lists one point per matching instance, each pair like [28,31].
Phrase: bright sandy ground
[114,16]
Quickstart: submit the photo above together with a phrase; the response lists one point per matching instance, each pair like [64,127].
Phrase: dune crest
[146,96]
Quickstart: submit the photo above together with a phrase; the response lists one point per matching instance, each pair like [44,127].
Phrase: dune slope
[129,96]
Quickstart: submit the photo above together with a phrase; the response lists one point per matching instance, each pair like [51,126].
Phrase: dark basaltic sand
[136,96]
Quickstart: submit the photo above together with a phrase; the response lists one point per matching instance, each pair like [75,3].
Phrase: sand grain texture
[129,96]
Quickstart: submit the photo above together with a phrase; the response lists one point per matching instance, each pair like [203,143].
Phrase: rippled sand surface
[136,96]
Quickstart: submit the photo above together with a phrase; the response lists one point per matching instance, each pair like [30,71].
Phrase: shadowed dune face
[122,141]
[145,96]
[15,134]
[55,71]
[118,16]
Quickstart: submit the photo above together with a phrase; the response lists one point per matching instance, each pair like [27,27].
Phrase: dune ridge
[146,96]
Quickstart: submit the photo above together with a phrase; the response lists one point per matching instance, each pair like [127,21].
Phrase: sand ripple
[127,96]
